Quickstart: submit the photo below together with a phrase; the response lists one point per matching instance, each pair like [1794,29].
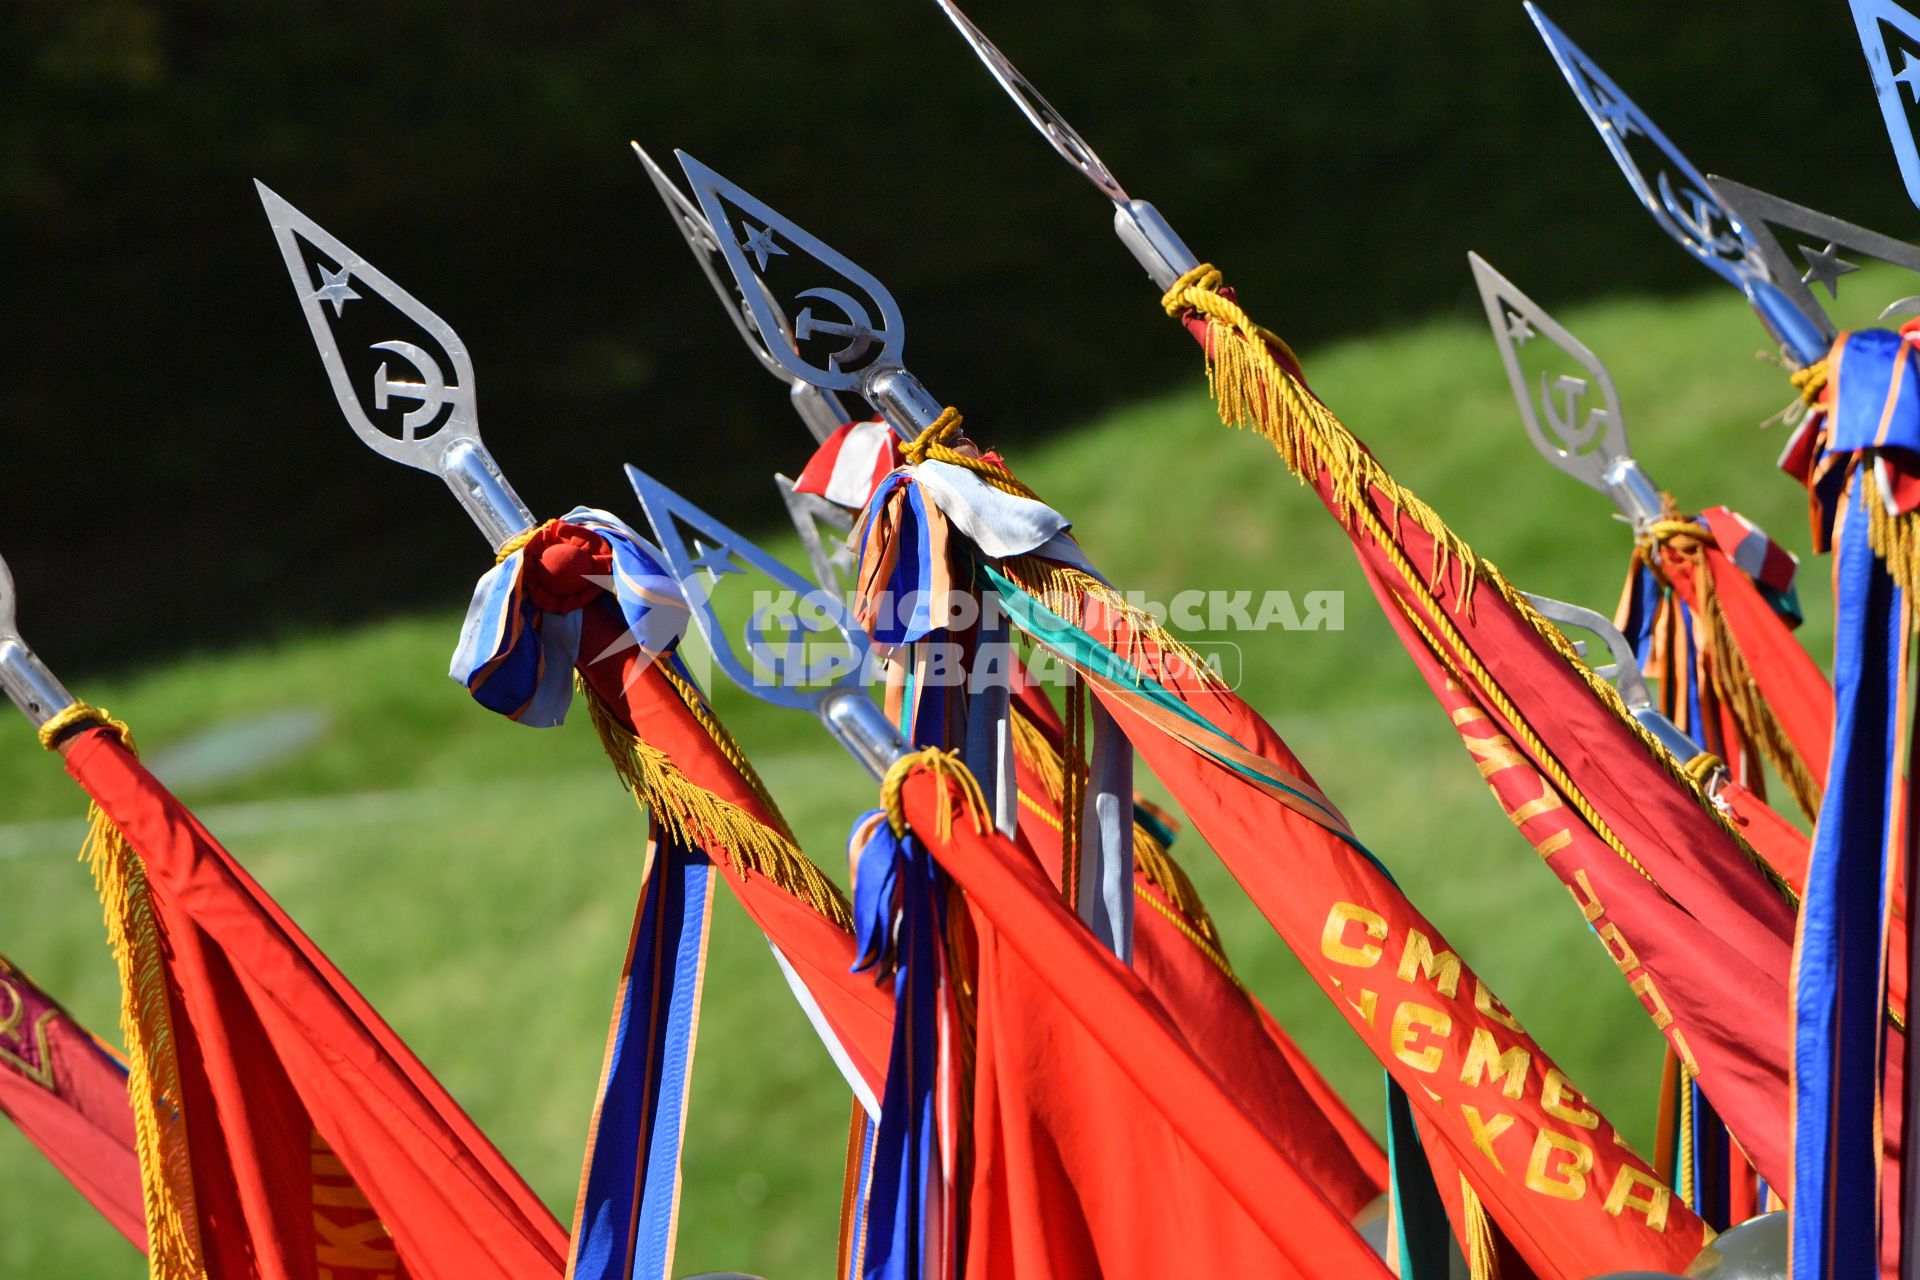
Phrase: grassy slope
[483,902]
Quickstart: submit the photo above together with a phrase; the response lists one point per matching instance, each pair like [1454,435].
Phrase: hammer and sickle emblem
[1572,390]
[1697,218]
[430,391]
[16,1009]
[857,328]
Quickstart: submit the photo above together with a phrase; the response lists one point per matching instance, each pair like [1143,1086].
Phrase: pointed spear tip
[1549,32]
[652,166]
[1486,276]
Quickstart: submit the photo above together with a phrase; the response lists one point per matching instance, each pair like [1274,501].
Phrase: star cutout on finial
[713,561]
[1616,113]
[336,290]
[1909,75]
[759,243]
[1519,330]
[1826,266]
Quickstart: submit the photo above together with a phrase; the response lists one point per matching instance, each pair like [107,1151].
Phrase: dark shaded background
[176,472]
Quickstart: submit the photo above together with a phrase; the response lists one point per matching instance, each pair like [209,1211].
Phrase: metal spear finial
[415,409]
[26,680]
[1147,235]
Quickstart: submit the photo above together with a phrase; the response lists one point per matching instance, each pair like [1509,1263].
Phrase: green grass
[476,878]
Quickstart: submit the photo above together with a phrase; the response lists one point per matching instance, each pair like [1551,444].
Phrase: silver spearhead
[847,331]
[1587,441]
[1624,672]
[832,569]
[1153,243]
[771,662]
[1678,195]
[26,680]
[1886,29]
[818,407]
[1818,268]
[430,423]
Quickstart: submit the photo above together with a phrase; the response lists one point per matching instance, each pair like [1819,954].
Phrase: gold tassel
[1155,863]
[1253,391]
[1482,1264]
[146,1023]
[698,818]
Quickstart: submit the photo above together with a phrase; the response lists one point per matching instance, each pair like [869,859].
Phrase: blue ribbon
[624,1228]
[1838,985]
[518,659]
[896,879]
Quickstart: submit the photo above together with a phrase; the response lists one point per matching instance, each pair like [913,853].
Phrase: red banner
[1225,1026]
[321,1148]
[68,1094]
[1461,622]
[1561,1182]
[1103,1146]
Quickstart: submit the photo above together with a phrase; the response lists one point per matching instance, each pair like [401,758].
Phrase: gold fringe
[941,764]
[146,1023]
[1734,684]
[1073,798]
[1151,859]
[1030,745]
[698,818]
[1482,1264]
[1255,392]
[697,705]
[1895,539]
[1074,594]
[1731,674]
[1156,865]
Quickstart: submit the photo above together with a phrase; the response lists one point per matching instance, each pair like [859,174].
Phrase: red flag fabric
[850,462]
[1479,633]
[1776,694]
[1560,1181]
[1180,958]
[1084,1086]
[68,1094]
[320,1147]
